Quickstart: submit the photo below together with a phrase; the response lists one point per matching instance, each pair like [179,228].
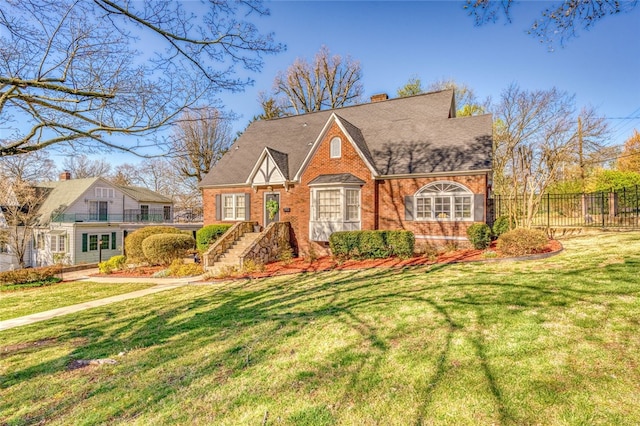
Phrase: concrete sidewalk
[162,285]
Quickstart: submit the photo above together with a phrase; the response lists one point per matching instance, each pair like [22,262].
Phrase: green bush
[133,242]
[402,243]
[479,235]
[209,234]
[162,249]
[43,275]
[521,241]
[345,244]
[180,269]
[503,224]
[371,244]
[114,264]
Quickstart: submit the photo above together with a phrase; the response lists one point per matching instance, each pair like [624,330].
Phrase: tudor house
[406,163]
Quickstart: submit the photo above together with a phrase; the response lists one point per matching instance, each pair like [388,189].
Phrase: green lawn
[554,341]
[16,303]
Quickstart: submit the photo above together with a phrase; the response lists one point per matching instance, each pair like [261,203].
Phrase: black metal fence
[615,209]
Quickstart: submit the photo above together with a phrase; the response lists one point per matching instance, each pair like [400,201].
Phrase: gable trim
[256,168]
[332,119]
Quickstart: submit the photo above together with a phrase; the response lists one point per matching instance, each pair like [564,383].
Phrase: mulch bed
[300,265]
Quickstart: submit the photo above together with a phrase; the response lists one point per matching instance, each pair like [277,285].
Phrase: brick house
[405,163]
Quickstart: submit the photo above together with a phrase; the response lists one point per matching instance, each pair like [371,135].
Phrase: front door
[271,207]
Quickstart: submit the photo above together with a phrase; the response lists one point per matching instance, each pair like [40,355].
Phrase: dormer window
[336,147]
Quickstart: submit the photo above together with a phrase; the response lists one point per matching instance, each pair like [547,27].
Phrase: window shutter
[113,241]
[218,207]
[247,206]
[408,207]
[478,208]
[85,239]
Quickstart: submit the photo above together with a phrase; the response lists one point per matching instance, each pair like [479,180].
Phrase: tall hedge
[133,242]
[372,244]
[162,249]
[209,234]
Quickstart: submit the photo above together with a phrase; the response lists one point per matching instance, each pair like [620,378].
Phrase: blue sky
[435,40]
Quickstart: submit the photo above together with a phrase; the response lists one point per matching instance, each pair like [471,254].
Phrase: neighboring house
[86,220]
[8,259]
[405,163]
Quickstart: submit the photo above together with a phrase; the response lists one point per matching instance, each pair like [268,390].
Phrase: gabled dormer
[272,168]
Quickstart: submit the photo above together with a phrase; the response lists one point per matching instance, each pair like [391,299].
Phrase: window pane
[62,239]
[228,206]
[423,208]
[240,207]
[104,241]
[93,242]
[442,206]
[353,204]
[329,205]
[336,148]
[463,207]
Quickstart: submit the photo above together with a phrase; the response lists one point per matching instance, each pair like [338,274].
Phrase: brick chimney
[66,175]
[379,97]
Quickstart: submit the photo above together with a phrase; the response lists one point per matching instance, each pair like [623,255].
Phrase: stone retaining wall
[223,243]
[273,240]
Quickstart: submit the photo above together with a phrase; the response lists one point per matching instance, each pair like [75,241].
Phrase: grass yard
[553,341]
[16,303]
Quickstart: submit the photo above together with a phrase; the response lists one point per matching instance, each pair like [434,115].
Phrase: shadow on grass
[252,320]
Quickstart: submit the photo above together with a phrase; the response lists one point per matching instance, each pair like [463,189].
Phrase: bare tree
[536,134]
[19,201]
[466,100]
[81,166]
[83,72]
[330,82]
[35,166]
[271,107]
[559,21]
[199,140]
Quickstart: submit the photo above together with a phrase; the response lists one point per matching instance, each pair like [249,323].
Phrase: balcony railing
[129,216]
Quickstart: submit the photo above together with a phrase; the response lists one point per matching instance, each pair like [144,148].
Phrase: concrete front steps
[231,258]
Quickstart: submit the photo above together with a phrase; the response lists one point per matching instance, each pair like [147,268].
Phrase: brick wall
[392,212]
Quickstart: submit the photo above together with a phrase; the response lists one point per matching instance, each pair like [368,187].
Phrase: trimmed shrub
[401,243]
[521,241]
[479,235]
[180,269]
[345,244]
[162,249]
[371,244]
[209,234]
[503,224]
[114,264]
[133,242]
[44,275]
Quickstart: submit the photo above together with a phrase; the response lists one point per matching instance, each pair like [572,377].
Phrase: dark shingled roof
[345,178]
[411,135]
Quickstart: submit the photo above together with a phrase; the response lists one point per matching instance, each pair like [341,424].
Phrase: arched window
[445,201]
[336,147]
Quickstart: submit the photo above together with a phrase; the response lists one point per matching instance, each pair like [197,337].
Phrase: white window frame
[335,147]
[58,243]
[235,206]
[104,192]
[444,201]
[342,215]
